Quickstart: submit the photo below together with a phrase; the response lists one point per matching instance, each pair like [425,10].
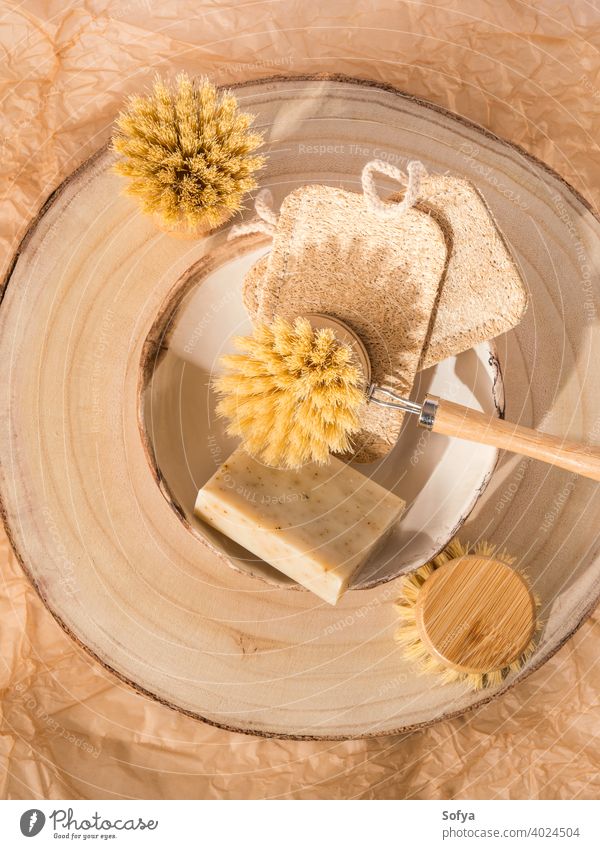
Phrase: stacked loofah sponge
[416,288]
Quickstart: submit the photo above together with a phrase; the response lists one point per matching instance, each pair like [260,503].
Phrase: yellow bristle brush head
[293,393]
[187,152]
[468,616]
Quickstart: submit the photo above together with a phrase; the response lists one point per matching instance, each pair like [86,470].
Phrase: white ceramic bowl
[439,478]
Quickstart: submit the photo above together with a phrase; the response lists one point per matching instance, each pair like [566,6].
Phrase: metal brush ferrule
[428,413]
[390,399]
[386,398]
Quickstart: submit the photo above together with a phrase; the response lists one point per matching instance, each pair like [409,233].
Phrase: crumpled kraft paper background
[68,729]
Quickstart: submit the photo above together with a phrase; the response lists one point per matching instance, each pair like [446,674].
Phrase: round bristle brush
[295,393]
[468,616]
[188,153]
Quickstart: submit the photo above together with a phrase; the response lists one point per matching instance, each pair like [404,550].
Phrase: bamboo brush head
[188,153]
[468,616]
[294,392]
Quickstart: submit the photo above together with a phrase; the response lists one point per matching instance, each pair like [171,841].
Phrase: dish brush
[188,153]
[332,418]
[293,394]
[468,616]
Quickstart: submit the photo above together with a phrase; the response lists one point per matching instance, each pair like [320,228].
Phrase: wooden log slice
[118,567]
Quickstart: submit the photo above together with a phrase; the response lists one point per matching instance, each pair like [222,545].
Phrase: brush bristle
[293,394]
[407,634]
[186,151]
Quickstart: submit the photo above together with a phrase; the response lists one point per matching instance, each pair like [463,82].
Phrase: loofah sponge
[187,152]
[482,293]
[293,393]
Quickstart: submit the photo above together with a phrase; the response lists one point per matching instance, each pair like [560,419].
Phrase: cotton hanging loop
[412,180]
[266,222]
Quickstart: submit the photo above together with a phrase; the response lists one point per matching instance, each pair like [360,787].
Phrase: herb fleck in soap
[317,524]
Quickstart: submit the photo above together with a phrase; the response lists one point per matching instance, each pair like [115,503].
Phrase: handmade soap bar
[317,524]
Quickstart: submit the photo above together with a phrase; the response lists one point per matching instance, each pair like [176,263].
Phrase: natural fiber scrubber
[482,293]
[293,394]
[188,154]
[468,616]
[333,253]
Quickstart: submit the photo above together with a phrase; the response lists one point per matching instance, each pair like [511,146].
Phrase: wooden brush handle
[462,422]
